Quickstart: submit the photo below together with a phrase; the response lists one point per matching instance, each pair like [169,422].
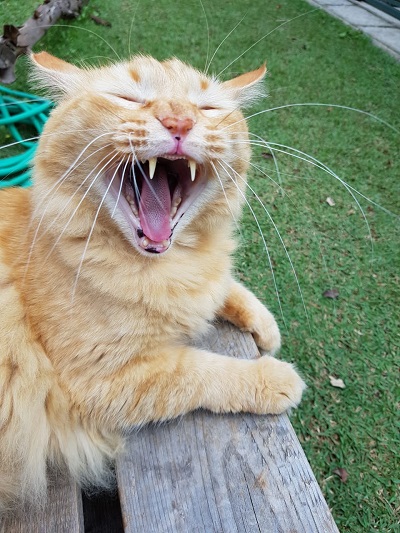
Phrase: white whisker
[264,37]
[19,142]
[57,185]
[222,42]
[131,26]
[54,188]
[104,158]
[133,169]
[143,173]
[72,26]
[317,104]
[137,192]
[282,190]
[263,240]
[279,236]
[91,231]
[315,162]
[278,172]
[74,165]
[208,33]
[37,137]
[286,195]
[22,101]
[226,198]
[78,206]
[120,188]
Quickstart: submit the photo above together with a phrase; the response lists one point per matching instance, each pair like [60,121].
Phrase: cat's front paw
[266,332]
[279,387]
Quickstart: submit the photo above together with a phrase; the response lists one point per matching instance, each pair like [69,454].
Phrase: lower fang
[165,243]
[144,243]
[177,201]
[133,207]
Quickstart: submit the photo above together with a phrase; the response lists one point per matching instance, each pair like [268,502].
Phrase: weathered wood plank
[213,473]
[62,513]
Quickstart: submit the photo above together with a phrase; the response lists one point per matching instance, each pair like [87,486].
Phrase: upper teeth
[192,166]
[152,166]
[153,163]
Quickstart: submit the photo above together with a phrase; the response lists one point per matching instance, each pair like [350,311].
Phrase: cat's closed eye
[128,98]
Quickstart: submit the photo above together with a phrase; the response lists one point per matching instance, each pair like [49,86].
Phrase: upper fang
[152,166]
[192,166]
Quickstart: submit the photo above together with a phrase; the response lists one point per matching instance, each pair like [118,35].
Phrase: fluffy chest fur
[120,308]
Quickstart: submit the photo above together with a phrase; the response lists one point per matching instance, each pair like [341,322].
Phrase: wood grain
[62,513]
[213,473]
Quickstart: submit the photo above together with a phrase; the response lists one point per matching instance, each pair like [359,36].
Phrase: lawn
[351,246]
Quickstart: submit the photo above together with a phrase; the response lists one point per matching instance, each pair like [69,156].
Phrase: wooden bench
[200,473]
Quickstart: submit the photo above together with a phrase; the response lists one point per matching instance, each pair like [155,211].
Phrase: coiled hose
[22,117]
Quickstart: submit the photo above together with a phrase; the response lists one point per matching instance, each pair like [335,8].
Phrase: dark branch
[19,40]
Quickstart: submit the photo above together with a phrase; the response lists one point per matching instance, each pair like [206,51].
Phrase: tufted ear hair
[247,87]
[55,75]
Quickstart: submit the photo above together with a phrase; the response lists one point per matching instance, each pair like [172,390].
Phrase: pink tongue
[155,206]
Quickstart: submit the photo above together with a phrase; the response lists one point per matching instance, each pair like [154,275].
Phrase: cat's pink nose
[178,127]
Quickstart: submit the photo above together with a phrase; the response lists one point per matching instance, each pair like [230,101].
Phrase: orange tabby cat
[118,255]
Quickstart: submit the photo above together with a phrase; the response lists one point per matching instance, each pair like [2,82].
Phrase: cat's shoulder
[15,214]
[15,206]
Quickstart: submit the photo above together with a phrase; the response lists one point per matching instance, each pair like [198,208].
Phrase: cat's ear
[55,75]
[247,87]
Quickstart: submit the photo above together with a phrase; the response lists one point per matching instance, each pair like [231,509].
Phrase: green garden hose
[22,117]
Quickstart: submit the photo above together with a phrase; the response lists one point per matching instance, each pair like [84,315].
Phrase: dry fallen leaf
[331,293]
[342,473]
[267,155]
[100,21]
[337,382]
[330,201]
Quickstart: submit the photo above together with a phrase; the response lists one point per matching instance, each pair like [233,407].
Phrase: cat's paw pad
[279,386]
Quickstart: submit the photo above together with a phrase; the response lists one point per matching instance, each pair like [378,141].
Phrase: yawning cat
[116,257]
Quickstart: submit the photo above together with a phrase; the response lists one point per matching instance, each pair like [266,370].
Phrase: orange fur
[93,344]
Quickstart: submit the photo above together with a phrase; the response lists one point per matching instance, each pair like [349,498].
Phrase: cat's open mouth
[153,196]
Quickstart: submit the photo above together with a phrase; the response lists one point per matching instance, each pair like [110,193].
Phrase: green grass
[356,337]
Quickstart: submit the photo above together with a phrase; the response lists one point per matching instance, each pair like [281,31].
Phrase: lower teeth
[144,243]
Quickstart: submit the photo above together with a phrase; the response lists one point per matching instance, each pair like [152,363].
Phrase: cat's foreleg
[179,379]
[246,312]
